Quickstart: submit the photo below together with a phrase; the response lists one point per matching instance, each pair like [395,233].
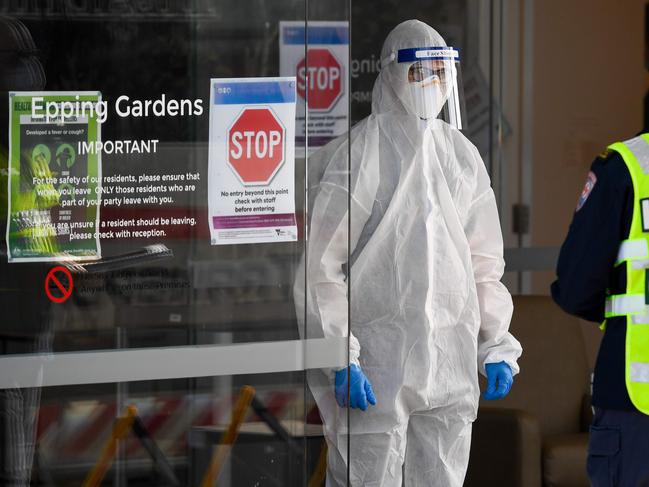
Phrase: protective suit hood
[392,91]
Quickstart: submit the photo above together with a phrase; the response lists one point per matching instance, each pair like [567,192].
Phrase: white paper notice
[252,160]
[322,77]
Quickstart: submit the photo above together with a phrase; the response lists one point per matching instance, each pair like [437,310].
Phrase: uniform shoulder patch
[591,181]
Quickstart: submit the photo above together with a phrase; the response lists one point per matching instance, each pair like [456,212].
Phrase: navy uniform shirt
[586,272]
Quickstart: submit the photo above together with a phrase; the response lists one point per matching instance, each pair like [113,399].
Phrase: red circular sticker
[59,284]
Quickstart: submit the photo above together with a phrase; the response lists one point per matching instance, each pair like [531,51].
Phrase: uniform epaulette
[605,153]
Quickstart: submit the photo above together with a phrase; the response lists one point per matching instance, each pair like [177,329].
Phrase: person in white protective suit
[414,208]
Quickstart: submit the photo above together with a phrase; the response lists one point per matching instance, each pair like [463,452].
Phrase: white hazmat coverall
[428,310]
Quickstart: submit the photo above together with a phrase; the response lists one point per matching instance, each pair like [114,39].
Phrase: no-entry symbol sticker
[58,284]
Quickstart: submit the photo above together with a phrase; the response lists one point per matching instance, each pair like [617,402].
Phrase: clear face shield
[431,77]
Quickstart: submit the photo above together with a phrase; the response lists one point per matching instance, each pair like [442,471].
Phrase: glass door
[157,187]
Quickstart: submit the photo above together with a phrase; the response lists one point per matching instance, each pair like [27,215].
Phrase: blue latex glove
[499,381]
[360,390]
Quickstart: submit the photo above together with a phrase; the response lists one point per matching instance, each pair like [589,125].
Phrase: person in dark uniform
[602,257]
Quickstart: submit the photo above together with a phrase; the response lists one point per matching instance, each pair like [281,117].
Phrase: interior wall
[589,81]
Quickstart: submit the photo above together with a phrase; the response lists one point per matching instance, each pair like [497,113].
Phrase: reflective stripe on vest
[634,254]
[633,250]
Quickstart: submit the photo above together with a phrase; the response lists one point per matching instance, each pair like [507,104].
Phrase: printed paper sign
[322,77]
[54,185]
[252,160]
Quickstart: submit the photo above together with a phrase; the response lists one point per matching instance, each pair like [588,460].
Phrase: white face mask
[427,98]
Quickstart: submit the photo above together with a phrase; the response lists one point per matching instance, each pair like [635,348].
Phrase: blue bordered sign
[251,161]
[317,54]
[334,34]
[253,91]
[420,53]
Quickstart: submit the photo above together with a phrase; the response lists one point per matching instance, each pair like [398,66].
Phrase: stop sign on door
[256,145]
[320,76]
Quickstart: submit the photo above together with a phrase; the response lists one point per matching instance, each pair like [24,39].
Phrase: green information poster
[54,178]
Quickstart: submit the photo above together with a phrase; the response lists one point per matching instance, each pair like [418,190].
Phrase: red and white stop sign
[256,143]
[320,77]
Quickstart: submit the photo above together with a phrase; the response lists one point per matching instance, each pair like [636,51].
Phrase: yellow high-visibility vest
[634,254]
